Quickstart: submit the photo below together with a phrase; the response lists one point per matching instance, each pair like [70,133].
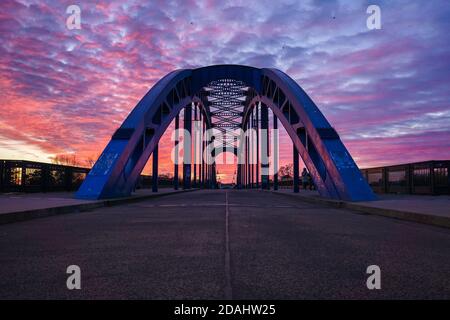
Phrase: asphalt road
[223,244]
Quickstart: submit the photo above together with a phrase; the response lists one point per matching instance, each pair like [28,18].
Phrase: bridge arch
[334,172]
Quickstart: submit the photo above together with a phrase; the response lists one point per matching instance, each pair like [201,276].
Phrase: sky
[385,91]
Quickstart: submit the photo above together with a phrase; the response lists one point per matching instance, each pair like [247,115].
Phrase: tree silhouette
[66,159]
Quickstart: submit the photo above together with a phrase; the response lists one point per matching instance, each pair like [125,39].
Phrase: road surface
[223,244]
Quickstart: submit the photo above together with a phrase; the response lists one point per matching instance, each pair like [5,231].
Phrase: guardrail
[30,176]
[429,177]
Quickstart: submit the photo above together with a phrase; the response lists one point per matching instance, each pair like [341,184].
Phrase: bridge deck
[223,244]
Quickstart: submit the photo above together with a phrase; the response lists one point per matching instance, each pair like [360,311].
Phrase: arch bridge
[224,99]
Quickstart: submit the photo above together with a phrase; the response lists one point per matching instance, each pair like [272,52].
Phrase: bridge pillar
[187,148]
[206,175]
[155,170]
[175,168]
[194,144]
[265,150]
[244,163]
[253,160]
[296,169]
[252,153]
[275,152]
[238,176]
[245,166]
[209,176]
[242,182]
[202,168]
[249,166]
[213,171]
[250,147]
[257,146]
[214,177]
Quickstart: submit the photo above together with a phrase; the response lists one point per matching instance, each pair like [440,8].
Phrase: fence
[29,176]
[430,177]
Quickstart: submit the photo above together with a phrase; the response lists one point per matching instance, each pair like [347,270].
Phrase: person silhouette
[304,178]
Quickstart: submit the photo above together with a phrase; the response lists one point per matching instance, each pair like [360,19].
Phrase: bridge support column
[296,169]
[187,148]
[213,171]
[155,170]
[248,158]
[252,152]
[202,156]
[238,176]
[206,175]
[275,152]
[194,144]
[244,164]
[210,176]
[265,147]
[242,176]
[214,177]
[175,168]
[239,171]
[257,146]
[245,168]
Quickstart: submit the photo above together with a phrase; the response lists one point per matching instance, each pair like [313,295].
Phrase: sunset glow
[66,91]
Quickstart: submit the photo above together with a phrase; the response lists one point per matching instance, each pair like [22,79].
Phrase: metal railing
[30,176]
[429,177]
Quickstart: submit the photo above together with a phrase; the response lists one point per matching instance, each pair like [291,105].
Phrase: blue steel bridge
[226,98]
[226,244]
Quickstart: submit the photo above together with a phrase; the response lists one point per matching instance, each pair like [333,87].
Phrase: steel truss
[225,97]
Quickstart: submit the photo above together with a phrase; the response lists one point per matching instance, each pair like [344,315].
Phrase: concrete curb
[18,216]
[423,218]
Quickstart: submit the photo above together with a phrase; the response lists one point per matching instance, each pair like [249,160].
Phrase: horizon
[65,91]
